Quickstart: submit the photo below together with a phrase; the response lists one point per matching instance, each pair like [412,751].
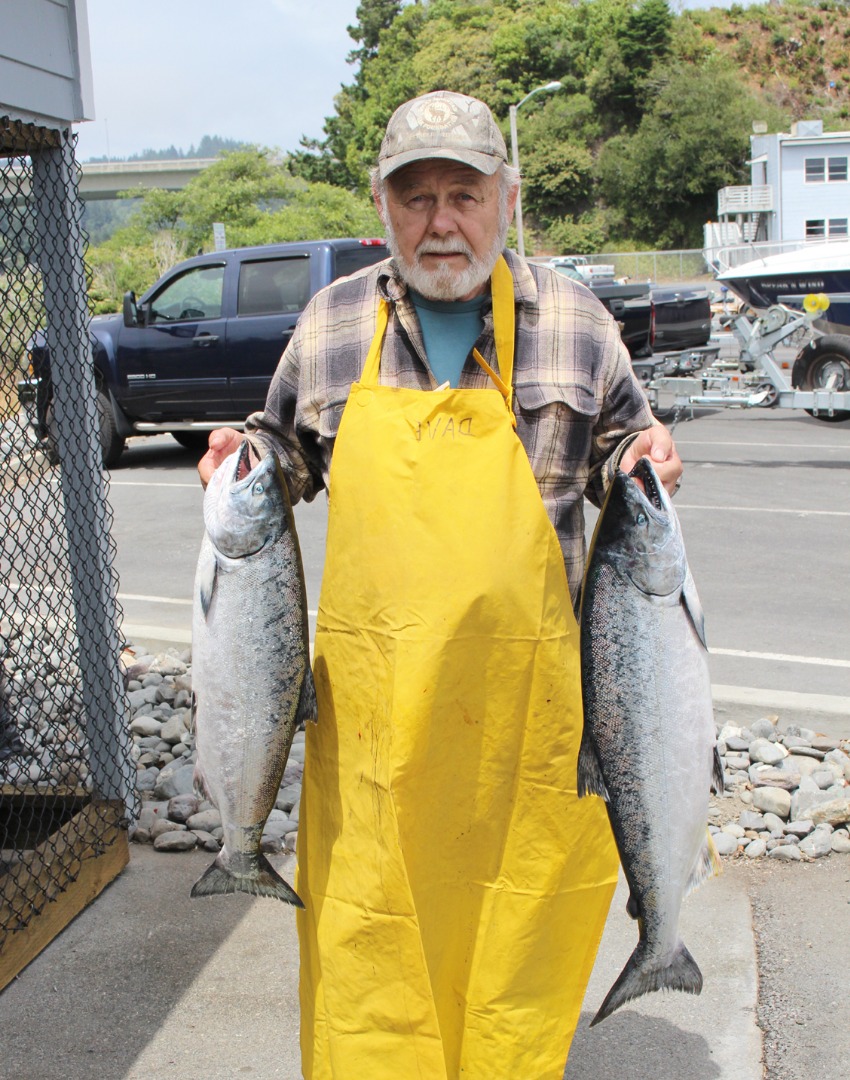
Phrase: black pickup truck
[199,348]
[630,304]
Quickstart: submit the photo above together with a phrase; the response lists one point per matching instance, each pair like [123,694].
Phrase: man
[458,404]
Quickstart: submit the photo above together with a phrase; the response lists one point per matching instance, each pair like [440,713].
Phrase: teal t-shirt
[450,329]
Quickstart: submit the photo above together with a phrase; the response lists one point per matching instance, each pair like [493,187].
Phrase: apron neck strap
[502,288]
[369,376]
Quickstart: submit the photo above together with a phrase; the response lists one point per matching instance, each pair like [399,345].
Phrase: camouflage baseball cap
[442,125]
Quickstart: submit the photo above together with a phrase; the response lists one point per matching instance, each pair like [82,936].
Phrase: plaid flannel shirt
[575,396]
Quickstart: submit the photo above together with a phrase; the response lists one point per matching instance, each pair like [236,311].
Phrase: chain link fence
[660,267]
[66,775]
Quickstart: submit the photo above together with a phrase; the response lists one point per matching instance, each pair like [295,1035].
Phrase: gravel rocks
[789,796]
[787,791]
[173,816]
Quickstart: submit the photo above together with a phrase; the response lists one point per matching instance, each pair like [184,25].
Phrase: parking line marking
[152,483]
[765,510]
[763,445]
[153,599]
[785,658]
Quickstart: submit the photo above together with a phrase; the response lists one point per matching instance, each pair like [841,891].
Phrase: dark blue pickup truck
[199,348]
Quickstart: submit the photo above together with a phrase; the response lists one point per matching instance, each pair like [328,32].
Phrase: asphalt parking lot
[765,508]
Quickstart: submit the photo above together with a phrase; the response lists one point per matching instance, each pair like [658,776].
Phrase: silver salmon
[649,745]
[251,676]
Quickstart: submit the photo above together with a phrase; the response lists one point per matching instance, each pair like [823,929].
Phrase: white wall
[45,62]
[803,201]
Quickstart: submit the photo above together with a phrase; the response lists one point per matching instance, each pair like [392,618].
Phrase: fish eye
[641,519]
[258,488]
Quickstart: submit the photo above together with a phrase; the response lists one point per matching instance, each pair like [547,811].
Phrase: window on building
[815,229]
[837,171]
[815,170]
[838,228]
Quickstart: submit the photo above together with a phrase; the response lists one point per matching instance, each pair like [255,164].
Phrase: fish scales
[649,742]
[251,670]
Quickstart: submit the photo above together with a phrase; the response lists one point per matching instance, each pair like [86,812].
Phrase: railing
[745,200]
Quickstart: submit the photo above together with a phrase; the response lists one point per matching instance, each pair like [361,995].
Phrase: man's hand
[657,444]
[222,442]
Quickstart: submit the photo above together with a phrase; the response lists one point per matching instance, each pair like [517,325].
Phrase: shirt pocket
[329,419]
[555,424]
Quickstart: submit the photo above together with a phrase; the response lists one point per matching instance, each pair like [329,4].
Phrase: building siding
[45,65]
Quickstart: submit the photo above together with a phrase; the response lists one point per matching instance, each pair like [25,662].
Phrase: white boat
[787,278]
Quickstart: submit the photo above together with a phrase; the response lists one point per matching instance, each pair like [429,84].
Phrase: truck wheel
[111,443]
[822,361]
[192,440]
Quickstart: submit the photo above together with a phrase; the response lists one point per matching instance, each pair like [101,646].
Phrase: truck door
[271,294]
[174,366]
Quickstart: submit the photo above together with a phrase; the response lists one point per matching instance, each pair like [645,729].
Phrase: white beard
[446,283]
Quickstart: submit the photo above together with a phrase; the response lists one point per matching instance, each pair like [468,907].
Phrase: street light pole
[520,238]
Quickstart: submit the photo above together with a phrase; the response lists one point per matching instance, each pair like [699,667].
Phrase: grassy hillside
[789,51]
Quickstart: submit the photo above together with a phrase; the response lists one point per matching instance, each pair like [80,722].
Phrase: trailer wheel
[823,360]
[772,395]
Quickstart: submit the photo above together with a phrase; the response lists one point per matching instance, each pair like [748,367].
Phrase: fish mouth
[243,462]
[652,489]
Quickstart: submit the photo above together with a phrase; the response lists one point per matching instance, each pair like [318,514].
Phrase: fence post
[60,257]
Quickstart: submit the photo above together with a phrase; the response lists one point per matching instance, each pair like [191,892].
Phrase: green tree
[558,177]
[662,182]
[373,16]
[633,41]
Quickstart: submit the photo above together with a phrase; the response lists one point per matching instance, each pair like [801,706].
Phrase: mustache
[444,247]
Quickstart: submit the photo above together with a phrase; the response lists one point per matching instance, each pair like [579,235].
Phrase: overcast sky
[167,72]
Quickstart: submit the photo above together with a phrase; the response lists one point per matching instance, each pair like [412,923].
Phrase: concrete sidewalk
[147,984]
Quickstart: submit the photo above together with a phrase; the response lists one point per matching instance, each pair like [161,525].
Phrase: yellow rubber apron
[455,887]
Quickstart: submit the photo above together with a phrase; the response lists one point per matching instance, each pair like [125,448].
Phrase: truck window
[355,258]
[272,286]
[194,295]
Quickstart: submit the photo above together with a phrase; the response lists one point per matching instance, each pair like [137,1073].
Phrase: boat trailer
[819,379]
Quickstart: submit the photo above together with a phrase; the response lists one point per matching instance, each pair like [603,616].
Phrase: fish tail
[264,880]
[590,778]
[708,865]
[636,979]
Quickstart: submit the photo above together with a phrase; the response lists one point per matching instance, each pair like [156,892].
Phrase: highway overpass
[104,179]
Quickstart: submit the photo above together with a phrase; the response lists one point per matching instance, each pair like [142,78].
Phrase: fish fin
[199,782]
[638,978]
[590,778]
[308,708]
[206,578]
[708,865]
[218,878]
[690,599]
[632,906]
[718,782]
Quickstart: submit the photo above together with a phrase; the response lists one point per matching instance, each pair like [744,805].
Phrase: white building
[45,63]
[799,191]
